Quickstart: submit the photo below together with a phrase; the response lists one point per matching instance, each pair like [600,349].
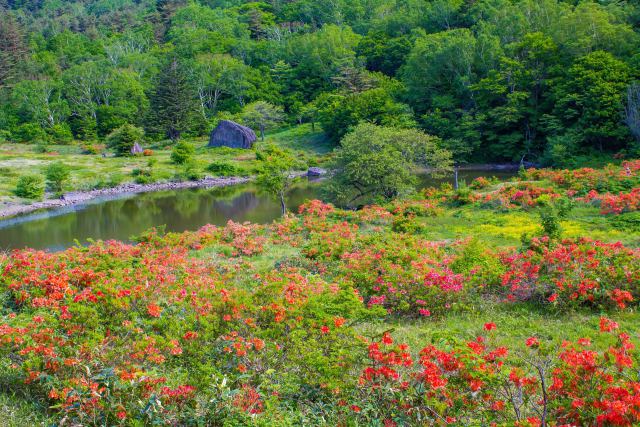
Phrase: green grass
[18,412]
[516,322]
[302,138]
[90,171]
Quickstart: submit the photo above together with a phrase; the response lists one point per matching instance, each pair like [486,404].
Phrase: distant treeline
[495,80]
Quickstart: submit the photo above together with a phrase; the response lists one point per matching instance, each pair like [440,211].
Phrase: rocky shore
[79,197]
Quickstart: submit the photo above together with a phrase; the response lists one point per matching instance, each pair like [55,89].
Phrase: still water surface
[130,215]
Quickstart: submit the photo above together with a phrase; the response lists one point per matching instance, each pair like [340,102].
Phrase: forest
[546,82]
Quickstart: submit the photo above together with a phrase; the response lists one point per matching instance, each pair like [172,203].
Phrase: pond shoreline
[80,197]
[9,210]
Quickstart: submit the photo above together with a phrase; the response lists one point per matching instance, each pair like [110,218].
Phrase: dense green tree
[123,139]
[591,100]
[513,98]
[220,77]
[317,57]
[440,64]
[12,48]
[377,106]
[41,101]
[383,53]
[376,163]
[173,104]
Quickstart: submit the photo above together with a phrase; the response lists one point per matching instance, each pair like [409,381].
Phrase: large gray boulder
[231,134]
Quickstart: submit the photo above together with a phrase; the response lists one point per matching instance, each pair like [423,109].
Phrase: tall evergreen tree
[173,103]
[12,48]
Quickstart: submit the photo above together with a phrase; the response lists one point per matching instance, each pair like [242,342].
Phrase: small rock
[74,196]
[136,149]
[314,171]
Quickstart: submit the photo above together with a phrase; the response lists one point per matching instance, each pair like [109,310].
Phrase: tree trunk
[262,133]
[455,178]
[283,205]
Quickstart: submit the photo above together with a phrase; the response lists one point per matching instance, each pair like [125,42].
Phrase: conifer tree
[173,103]
[12,48]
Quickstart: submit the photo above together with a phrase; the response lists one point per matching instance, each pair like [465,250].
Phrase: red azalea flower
[490,326]
[532,342]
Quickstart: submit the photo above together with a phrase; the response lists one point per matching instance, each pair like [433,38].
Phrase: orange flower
[154,310]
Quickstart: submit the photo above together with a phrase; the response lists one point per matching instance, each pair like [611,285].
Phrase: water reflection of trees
[122,218]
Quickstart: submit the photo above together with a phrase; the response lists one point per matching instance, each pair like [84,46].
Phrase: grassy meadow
[501,303]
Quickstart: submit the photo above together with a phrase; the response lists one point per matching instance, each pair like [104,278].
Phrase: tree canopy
[377,163]
[495,80]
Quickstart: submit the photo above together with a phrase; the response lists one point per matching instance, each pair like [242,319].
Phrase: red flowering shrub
[244,238]
[477,383]
[523,195]
[479,183]
[583,272]
[405,275]
[591,387]
[615,204]
[609,179]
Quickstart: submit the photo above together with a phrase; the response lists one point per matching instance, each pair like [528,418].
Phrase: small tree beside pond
[277,173]
[57,174]
[123,139]
[30,187]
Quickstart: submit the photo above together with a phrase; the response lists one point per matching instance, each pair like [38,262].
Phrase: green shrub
[5,135]
[189,172]
[90,149]
[30,187]
[182,153]
[41,148]
[143,176]
[629,221]
[222,169]
[122,140]
[406,224]
[60,134]
[30,133]
[550,221]
[57,174]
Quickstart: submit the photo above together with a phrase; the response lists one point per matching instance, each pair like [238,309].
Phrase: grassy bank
[93,171]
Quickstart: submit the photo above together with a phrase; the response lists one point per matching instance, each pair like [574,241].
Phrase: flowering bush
[478,383]
[584,272]
[615,204]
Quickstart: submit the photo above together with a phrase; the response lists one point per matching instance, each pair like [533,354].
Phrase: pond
[129,215]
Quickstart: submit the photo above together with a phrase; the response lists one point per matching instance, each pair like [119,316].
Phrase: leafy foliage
[30,187]
[379,163]
[123,139]
[57,174]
